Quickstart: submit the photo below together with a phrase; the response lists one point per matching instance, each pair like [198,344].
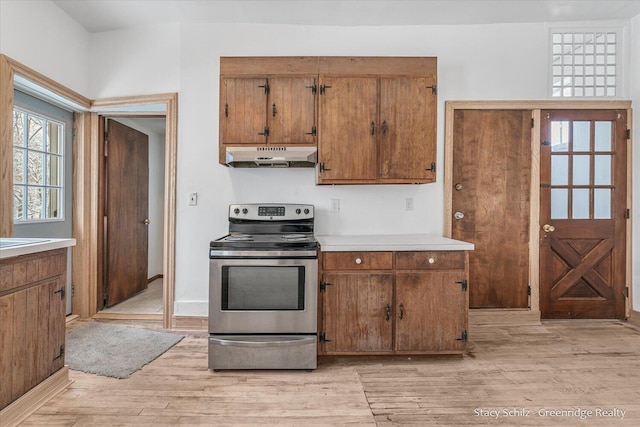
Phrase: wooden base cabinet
[32,321]
[394,302]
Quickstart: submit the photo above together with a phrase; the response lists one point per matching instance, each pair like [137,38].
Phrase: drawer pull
[358,261]
[431,260]
[388,310]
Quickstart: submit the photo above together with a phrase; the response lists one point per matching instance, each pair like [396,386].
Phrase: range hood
[271,157]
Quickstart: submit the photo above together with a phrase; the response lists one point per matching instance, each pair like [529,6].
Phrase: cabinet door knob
[358,261]
[431,260]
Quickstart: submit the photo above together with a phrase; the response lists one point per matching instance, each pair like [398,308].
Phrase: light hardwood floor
[148,301]
[570,365]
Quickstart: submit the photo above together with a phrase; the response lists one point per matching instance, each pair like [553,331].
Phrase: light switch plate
[193,199]
[335,205]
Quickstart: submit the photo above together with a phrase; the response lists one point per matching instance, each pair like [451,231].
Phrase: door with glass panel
[583,214]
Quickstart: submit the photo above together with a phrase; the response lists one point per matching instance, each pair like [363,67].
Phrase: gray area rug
[114,351]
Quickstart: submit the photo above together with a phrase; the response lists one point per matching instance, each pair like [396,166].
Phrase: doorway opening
[132,282]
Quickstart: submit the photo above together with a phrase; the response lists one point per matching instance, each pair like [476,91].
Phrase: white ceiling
[107,15]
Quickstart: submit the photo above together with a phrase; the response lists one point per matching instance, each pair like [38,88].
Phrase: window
[38,168]
[585,64]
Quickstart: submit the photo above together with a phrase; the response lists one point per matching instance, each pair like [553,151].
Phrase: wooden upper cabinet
[291,110]
[347,116]
[243,116]
[377,120]
[407,128]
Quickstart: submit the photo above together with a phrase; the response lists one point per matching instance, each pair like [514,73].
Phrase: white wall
[634,83]
[475,62]
[40,35]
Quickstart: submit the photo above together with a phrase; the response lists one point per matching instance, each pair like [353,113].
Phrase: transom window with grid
[38,167]
[585,63]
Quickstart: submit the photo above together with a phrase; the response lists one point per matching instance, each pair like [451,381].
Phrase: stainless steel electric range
[263,289]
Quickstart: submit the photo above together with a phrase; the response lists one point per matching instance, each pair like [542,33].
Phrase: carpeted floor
[114,351]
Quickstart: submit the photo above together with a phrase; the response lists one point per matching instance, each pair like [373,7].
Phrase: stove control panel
[271,212]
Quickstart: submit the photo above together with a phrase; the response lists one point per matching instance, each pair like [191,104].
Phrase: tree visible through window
[38,167]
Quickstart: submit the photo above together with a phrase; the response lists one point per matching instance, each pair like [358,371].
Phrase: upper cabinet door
[347,129]
[291,111]
[243,117]
[407,128]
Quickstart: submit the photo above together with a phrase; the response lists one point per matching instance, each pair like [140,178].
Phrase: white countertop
[11,247]
[392,242]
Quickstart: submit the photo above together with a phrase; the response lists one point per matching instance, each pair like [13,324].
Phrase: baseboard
[191,323]
[31,401]
[634,318]
[127,316]
[154,278]
[503,317]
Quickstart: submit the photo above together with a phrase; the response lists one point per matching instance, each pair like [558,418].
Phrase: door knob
[146,221]
[548,228]
[458,215]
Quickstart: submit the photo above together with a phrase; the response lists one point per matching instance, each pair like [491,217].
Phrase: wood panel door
[127,212]
[357,312]
[491,203]
[291,110]
[243,117]
[347,141]
[583,210]
[430,311]
[407,128]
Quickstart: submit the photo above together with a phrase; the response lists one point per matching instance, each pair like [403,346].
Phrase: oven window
[263,288]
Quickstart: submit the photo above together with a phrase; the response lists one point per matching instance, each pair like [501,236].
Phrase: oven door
[249,296]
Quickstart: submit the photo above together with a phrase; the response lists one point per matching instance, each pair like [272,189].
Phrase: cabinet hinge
[432,168]
[628,134]
[463,337]
[322,168]
[627,213]
[61,292]
[266,131]
[528,289]
[60,354]
[314,131]
[626,292]
[464,284]
[545,143]
[314,89]
[323,286]
[323,338]
[226,110]
[434,89]
[323,88]
[266,88]
[533,122]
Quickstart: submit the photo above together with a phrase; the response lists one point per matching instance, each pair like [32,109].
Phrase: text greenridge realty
[582,413]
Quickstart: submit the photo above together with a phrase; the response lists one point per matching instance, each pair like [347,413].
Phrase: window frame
[621,59]
[61,155]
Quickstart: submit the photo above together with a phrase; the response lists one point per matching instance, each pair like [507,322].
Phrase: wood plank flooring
[561,365]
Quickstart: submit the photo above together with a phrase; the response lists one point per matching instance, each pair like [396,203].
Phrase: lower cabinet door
[357,313]
[430,311]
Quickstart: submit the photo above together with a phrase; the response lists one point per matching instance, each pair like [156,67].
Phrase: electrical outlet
[335,205]
[408,204]
[193,199]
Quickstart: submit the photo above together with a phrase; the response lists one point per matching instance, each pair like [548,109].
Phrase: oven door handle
[264,341]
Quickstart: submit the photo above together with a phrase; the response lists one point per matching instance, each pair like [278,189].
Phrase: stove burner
[240,238]
[294,237]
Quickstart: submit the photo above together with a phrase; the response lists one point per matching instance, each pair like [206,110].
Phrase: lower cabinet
[408,303]
[32,321]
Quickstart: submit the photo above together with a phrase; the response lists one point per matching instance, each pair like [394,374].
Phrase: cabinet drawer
[430,260]
[358,260]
